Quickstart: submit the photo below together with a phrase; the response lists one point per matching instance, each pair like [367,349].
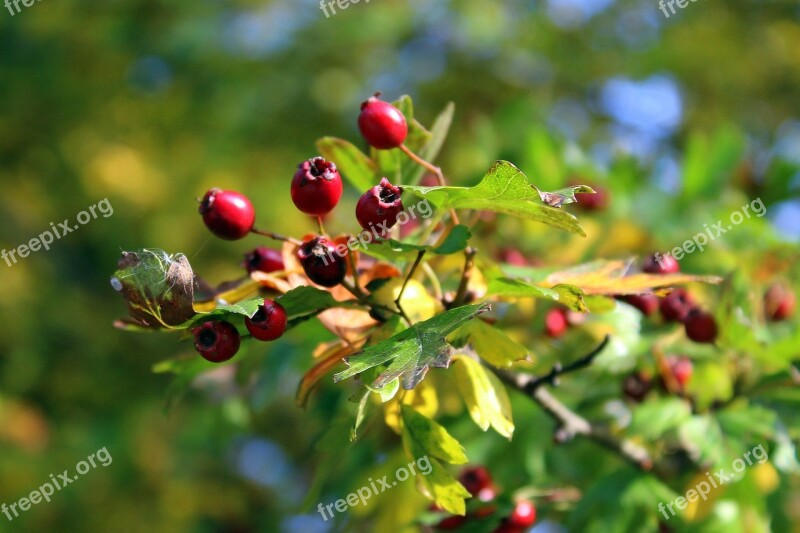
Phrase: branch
[571,423]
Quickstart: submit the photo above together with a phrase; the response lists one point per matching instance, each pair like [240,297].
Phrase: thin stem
[320,226]
[411,272]
[437,287]
[352,262]
[431,168]
[469,265]
[276,237]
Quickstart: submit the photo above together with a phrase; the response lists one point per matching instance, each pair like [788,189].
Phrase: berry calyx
[316,187]
[269,321]
[476,479]
[377,209]
[555,322]
[661,264]
[321,263]
[700,326]
[228,214]
[523,515]
[263,259]
[646,303]
[675,307]
[382,124]
[681,368]
[779,302]
[216,341]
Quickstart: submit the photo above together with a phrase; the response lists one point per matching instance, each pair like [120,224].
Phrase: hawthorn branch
[570,423]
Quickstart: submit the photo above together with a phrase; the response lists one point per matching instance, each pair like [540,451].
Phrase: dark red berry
[676,305]
[263,259]
[451,522]
[593,202]
[322,264]
[555,322]
[779,302]
[523,515]
[268,323]
[475,479]
[382,124]
[228,214]
[661,264]
[636,386]
[700,326]
[506,527]
[378,207]
[681,368]
[646,303]
[217,341]
[316,187]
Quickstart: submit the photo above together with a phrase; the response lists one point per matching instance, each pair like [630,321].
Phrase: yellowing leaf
[486,398]
[423,399]
[492,344]
[432,437]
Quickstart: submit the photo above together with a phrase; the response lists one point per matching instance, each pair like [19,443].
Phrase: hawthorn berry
[378,207]
[216,340]
[661,264]
[646,303]
[523,515]
[475,479]
[636,386]
[593,202]
[321,263]
[555,322]
[263,259]
[382,124]
[451,522]
[676,305]
[700,326]
[316,187]
[681,368]
[779,302]
[228,214]
[269,321]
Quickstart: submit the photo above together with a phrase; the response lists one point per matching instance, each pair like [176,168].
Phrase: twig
[411,272]
[431,168]
[276,237]
[469,264]
[552,377]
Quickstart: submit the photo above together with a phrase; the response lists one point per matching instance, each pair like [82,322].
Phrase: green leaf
[413,351]
[504,189]
[562,196]
[361,415]
[568,295]
[432,437]
[158,287]
[228,313]
[486,398]
[492,344]
[306,301]
[391,249]
[456,241]
[655,417]
[353,164]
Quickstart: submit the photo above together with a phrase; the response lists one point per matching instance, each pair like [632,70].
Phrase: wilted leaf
[484,395]
[562,196]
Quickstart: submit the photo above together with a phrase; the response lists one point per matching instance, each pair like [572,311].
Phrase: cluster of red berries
[678,368]
[316,189]
[478,482]
[677,306]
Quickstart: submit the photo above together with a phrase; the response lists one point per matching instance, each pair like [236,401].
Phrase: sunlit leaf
[352,163]
[484,395]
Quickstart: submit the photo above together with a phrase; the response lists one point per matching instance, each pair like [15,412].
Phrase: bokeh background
[149,103]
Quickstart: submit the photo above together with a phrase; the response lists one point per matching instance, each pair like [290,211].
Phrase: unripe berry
[555,322]
[228,214]
[681,368]
[382,124]
[646,303]
[700,326]
[661,264]
[268,323]
[676,305]
[216,341]
[316,187]
[263,259]
[378,207]
[523,515]
[321,263]
[779,302]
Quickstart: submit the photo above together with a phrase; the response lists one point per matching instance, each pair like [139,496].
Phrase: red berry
[514,257]
[700,326]
[263,259]
[321,263]
[378,207]
[316,187]
[382,124]
[475,479]
[661,264]
[676,305]
[228,214]
[451,522]
[593,202]
[523,515]
[681,368]
[646,303]
[268,323]
[779,302]
[217,341]
[636,386]
[555,322]
[505,527]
